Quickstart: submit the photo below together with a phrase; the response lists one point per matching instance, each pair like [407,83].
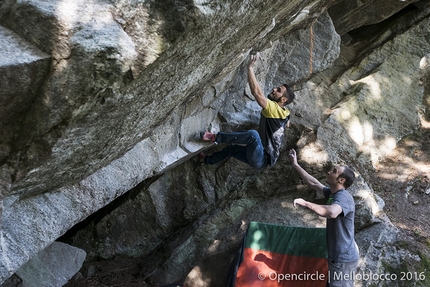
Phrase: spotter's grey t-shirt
[341,246]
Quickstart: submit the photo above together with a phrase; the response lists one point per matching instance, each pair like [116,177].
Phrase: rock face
[114,93]
[22,69]
[53,266]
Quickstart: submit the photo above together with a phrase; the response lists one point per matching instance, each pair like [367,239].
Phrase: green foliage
[425,268]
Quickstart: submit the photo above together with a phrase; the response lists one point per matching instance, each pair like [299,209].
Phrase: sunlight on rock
[356,131]
[377,150]
[157,46]
[407,80]
[360,133]
[369,201]
[387,145]
[424,63]
[374,87]
[72,12]
[195,278]
[367,131]
[67,12]
[243,225]
[203,7]
[425,124]
[345,115]
[313,154]
[214,247]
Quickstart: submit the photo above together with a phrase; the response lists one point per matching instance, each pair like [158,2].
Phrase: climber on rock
[343,253]
[258,149]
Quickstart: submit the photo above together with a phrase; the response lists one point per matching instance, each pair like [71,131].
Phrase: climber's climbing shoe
[207,137]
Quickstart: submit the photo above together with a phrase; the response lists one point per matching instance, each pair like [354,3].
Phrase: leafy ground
[402,180]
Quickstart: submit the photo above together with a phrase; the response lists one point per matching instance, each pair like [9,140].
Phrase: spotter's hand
[293,156]
[299,201]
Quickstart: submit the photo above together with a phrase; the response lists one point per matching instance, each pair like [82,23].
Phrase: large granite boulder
[130,84]
[204,217]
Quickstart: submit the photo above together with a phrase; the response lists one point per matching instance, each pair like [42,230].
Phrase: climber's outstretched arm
[311,181]
[253,83]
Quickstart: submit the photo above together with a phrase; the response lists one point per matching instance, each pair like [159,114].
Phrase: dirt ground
[402,180]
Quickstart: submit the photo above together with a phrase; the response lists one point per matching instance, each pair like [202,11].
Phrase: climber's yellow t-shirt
[271,130]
